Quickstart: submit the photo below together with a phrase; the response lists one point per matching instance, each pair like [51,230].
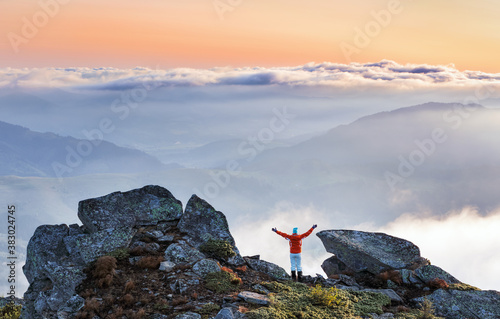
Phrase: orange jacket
[295,240]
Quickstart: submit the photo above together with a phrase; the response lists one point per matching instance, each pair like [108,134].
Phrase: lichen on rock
[372,252]
[149,205]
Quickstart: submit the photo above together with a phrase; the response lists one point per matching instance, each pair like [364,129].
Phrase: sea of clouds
[385,74]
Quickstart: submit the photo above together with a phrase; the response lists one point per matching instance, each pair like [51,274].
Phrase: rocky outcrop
[144,221]
[372,252]
[456,304]
[172,257]
[57,255]
[396,263]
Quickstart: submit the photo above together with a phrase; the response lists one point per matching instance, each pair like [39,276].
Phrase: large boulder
[51,271]
[457,304]
[149,205]
[203,223]
[372,252]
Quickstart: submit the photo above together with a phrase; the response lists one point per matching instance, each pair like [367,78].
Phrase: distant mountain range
[433,156]
[27,153]
[441,156]
[438,130]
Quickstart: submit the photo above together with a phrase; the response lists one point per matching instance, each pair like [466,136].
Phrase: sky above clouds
[209,33]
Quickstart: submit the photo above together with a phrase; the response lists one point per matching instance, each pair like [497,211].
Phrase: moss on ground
[462,287]
[209,309]
[221,281]
[10,311]
[370,302]
[296,300]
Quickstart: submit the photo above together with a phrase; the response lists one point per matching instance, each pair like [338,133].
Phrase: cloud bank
[387,74]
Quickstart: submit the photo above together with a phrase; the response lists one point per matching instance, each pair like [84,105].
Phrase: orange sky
[168,33]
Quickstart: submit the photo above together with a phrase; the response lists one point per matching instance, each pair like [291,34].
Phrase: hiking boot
[300,276]
[294,275]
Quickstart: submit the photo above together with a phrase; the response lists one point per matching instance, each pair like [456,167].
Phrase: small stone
[254,298]
[183,253]
[166,239]
[388,292]
[189,315]
[167,266]
[261,289]
[206,266]
[269,268]
[154,234]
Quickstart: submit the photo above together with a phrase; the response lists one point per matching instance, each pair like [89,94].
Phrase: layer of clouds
[387,74]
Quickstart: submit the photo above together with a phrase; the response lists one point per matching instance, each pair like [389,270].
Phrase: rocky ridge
[138,254]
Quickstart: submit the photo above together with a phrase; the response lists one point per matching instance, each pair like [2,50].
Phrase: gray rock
[51,272]
[261,289]
[183,253]
[46,244]
[188,315]
[271,269]
[206,266]
[430,272]
[372,252]
[347,280]
[229,313]
[333,266]
[152,248]
[409,277]
[388,292]
[180,286]
[202,222]
[254,298]
[154,234]
[353,288]
[102,242]
[71,308]
[167,266]
[225,313]
[149,205]
[166,239]
[456,304]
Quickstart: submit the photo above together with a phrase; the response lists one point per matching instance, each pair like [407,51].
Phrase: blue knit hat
[295,230]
